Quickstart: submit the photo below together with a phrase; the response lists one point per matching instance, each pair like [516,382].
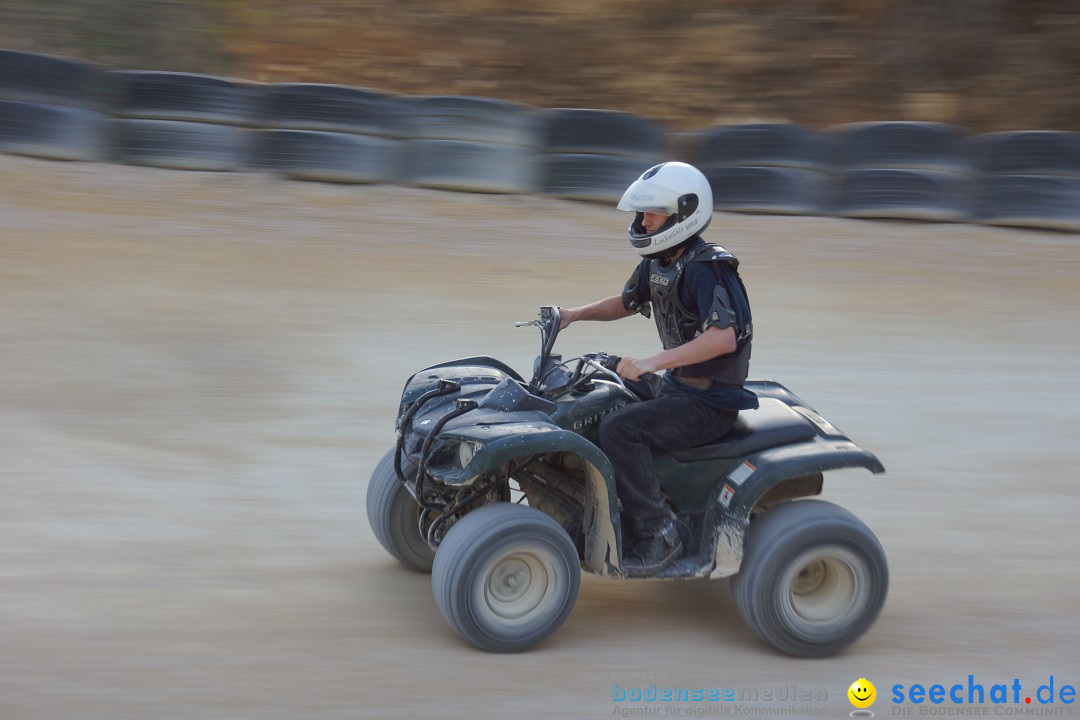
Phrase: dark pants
[671,421]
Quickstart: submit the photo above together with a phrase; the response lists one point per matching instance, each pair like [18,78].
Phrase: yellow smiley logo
[862,693]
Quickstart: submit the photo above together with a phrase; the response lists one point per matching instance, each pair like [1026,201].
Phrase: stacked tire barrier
[471,144]
[49,107]
[329,133]
[66,109]
[181,121]
[596,154]
[1029,179]
[770,168]
[904,170]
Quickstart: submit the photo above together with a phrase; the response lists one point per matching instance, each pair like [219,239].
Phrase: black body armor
[678,324]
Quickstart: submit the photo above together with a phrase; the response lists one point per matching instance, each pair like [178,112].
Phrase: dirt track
[199,372]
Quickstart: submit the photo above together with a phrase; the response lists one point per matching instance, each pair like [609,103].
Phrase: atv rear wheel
[506,577]
[394,516]
[813,578]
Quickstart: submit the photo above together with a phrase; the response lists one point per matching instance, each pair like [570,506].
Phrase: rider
[702,313]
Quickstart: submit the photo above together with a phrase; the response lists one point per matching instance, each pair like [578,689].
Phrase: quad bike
[498,487]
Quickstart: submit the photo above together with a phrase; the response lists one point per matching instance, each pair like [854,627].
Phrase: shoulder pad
[713,252]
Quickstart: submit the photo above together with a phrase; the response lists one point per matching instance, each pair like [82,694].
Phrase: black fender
[496,446]
[477,360]
[750,479]
[476,370]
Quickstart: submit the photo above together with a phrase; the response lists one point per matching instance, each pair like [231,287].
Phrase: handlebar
[606,364]
[550,323]
[611,363]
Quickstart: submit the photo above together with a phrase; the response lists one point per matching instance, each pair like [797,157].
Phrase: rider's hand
[566,316]
[633,368]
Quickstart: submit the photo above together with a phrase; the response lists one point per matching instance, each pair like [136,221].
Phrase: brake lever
[593,362]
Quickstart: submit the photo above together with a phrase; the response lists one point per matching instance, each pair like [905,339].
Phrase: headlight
[466,450]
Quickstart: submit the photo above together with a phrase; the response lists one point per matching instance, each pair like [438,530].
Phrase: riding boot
[655,552]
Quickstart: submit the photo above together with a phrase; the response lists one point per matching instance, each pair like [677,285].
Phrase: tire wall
[67,109]
[596,154]
[903,170]
[767,168]
[180,121]
[1028,179]
[470,144]
[329,133]
[49,107]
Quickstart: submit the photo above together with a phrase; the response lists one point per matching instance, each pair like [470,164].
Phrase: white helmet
[672,188]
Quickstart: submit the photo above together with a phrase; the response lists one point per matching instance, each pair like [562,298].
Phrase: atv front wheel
[813,578]
[506,577]
[394,516]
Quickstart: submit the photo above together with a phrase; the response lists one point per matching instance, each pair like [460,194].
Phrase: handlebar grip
[611,362]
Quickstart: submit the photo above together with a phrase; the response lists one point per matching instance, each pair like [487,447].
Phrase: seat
[771,424]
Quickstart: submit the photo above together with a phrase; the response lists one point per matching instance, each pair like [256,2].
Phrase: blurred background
[926,110]
[201,366]
[986,64]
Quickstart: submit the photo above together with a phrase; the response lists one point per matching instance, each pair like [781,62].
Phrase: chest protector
[678,324]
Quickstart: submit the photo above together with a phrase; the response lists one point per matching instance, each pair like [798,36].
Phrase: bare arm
[611,308]
[709,344]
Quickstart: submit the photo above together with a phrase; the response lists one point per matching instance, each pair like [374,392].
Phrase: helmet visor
[651,197]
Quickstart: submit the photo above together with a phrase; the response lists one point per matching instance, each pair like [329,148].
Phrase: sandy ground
[200,371]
